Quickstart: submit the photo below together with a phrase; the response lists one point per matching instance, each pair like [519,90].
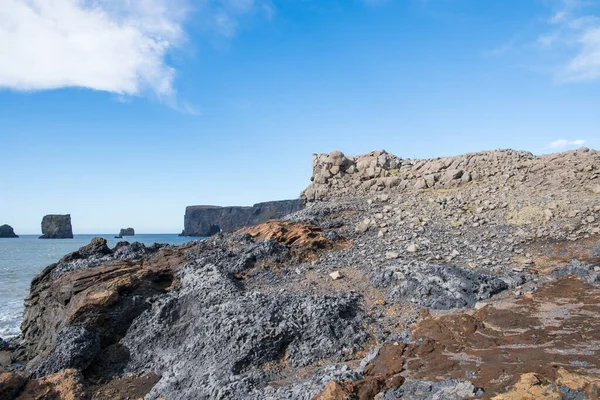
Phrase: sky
[122,113]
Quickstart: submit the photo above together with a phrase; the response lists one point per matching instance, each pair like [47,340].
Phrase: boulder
[57,227]
[7,231]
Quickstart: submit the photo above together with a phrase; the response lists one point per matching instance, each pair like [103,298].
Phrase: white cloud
[564,143]
[575,32]
[117,46]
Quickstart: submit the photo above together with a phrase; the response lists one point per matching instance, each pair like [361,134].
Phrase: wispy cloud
[564,143]
[574,30]
[119,47]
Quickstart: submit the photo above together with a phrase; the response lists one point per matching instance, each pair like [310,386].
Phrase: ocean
[23,258]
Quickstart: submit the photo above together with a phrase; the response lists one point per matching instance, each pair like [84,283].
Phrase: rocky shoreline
[383,287]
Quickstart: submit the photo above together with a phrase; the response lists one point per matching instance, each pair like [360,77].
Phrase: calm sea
[24,257]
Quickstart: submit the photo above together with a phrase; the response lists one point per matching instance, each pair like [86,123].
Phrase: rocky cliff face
[336,175]
[7,231]
[484,289]
[57,227]
[127,232]
[208,220]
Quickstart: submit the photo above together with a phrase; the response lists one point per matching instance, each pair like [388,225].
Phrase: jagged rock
[209,220]
[76,347]
[6,231]
[436,285]
[95,287]
[57,227]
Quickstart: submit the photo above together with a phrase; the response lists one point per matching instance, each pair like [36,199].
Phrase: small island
[7,231]
[125,232]
[57,227]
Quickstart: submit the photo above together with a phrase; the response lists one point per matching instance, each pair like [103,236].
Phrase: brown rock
[530,387]
[10,385]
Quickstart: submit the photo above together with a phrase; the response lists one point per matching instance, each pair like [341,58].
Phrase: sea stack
[57,227]
[127,232]
[7,231]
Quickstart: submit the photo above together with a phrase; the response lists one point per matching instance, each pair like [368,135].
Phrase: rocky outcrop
[127,232]
[89,298]
[336,175]
[57,227]
[7,231]
[485,289]
[208,220]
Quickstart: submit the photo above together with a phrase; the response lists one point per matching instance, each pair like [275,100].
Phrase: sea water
[23,258]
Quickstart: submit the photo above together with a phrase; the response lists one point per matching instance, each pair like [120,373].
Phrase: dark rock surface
[437,286]
[208,220]
[127,232]
[76,347]
[7,231]
[57,227]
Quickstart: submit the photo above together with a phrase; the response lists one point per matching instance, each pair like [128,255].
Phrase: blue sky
[122,113]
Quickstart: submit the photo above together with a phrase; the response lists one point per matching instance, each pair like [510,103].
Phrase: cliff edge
[209,220]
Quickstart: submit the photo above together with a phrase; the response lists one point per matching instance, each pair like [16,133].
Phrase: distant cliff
[7,231]
[208,220]
[57,227]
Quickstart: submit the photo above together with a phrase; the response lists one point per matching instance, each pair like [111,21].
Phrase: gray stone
[57,227]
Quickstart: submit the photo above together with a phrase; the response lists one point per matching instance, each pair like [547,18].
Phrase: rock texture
[7,231]
[57,227]
[208,220]
[127,232]
[482,289]
[336,175]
